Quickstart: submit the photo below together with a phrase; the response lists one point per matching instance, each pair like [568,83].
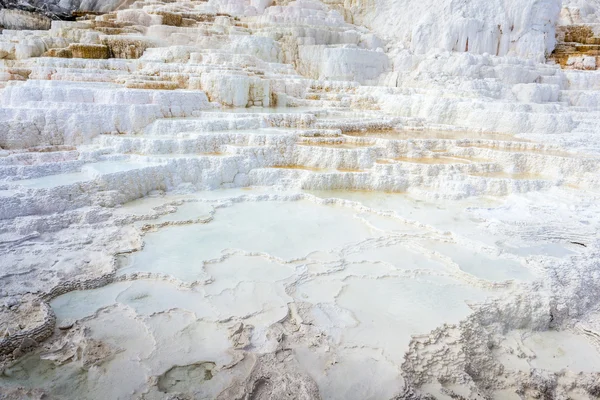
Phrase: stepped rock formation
[256,199]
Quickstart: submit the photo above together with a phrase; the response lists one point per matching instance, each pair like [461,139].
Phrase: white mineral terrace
[256,199]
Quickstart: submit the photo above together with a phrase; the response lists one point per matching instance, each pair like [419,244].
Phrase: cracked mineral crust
[272,199]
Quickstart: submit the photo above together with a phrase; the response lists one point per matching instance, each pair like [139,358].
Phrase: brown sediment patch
[336,145]
[90,51]
[199,17]
[593,40]
[576,41]
[59,53]
[316,169]
[433,160]
[85,15]
[110,24]
[352,170]
[508,175]
[576,33]
[128,47]
[115,31]
[51,149]
[169,18]
[19,73]
[156,85]
[433,134]
[522,149]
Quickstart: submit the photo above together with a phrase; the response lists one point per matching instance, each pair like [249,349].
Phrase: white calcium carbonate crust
[522,28]
[270,199]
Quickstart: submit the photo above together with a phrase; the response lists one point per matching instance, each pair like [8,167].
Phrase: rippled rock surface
[301,200]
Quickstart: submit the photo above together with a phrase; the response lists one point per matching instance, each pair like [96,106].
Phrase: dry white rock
[301,199]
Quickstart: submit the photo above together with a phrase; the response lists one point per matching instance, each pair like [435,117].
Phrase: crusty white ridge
[256,199]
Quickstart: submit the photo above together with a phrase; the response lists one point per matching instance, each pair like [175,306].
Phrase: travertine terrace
[256,199]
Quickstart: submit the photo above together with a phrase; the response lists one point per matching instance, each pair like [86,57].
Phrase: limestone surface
[257,199]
